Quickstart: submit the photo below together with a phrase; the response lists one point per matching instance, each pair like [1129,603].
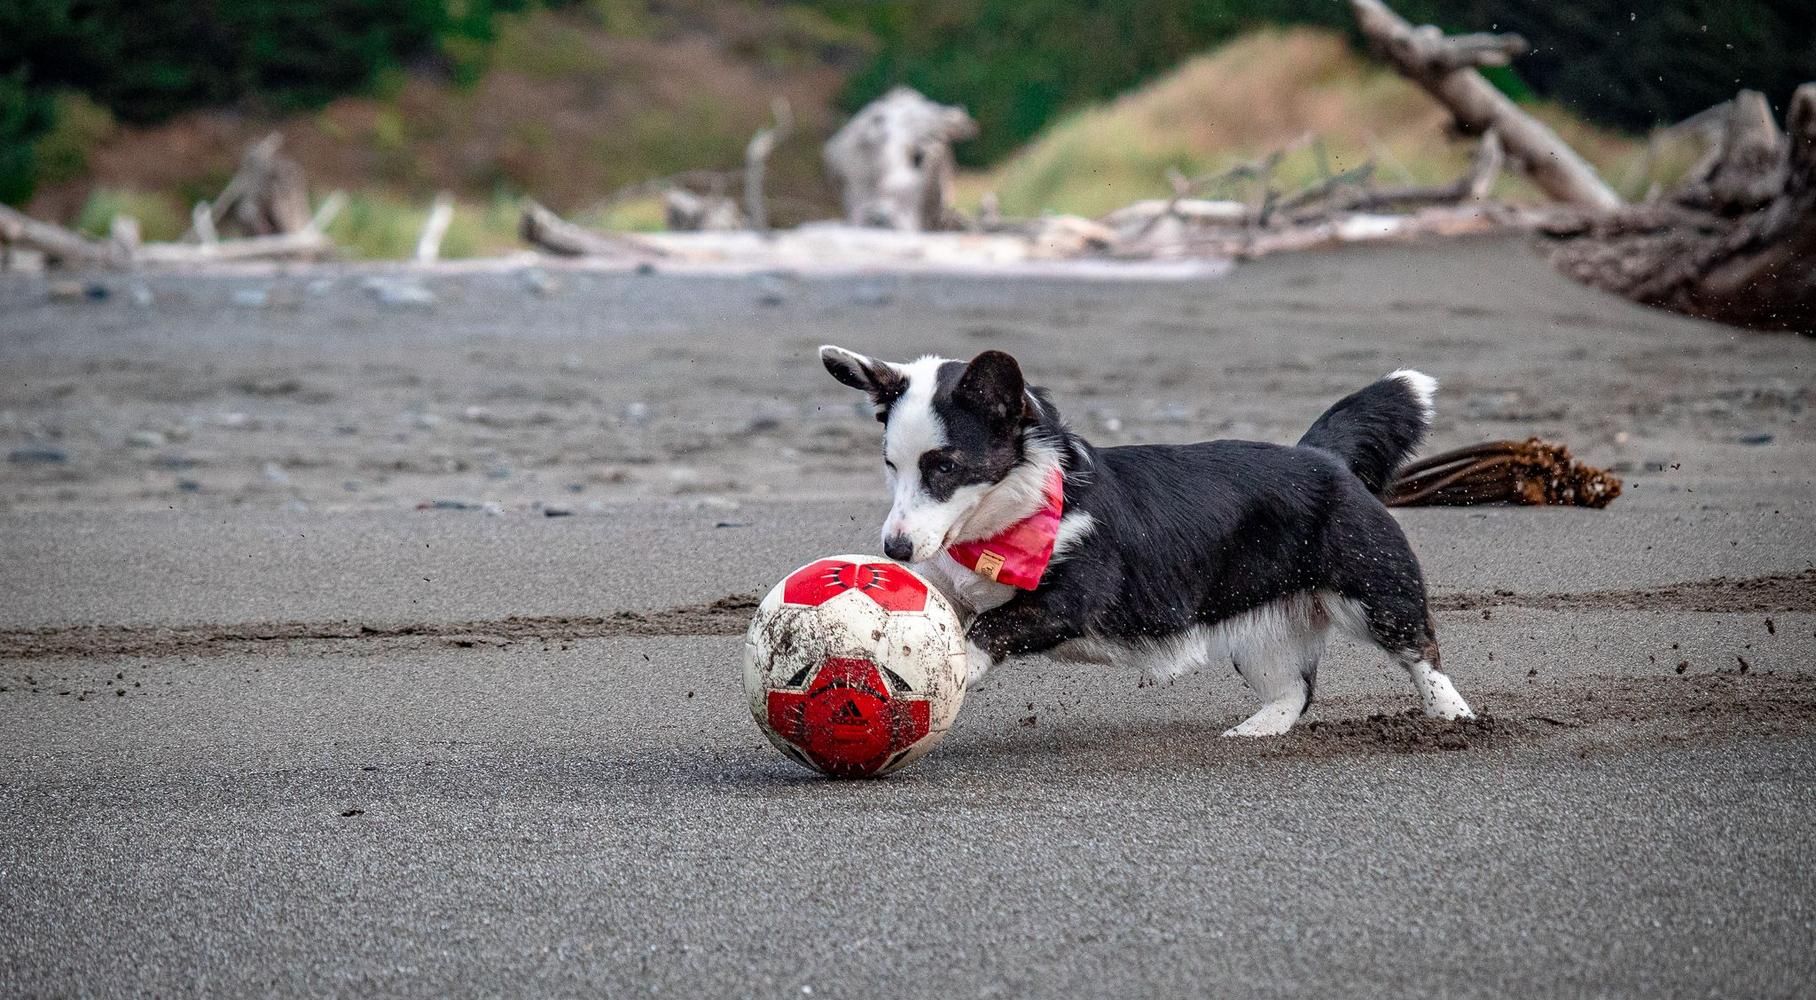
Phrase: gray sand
[269,728]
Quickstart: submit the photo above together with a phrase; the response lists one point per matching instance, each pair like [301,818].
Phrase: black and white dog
[1172,557]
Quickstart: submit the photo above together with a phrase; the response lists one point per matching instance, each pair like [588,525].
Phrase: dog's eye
[945,466]
[887,464]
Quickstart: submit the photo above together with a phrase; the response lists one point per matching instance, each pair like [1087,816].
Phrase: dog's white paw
[1443,702]
[978,663]
[1272,720]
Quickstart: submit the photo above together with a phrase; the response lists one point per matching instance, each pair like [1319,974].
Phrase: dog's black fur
[1196,534]
[1191,535]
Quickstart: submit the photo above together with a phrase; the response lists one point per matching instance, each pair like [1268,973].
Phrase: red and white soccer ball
[854,666]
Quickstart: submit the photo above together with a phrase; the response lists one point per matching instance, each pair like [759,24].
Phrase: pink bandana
[1020,554]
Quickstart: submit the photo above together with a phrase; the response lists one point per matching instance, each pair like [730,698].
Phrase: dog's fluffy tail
[1377,428]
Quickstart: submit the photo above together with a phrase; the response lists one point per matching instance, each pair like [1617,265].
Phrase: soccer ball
[854,666]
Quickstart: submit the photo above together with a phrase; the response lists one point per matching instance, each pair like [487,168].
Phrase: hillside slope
[1245,99]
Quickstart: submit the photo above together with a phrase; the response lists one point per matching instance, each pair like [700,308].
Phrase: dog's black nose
[898,547]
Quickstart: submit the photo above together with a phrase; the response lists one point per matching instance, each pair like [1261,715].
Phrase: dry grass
[1249,97]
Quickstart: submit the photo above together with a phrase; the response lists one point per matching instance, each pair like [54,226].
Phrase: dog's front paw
[978,662]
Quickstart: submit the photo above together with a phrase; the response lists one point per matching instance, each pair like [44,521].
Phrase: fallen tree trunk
[545,230]
[59,245]
[1736,243]
[306,245]
[1533,472]
[1445,67]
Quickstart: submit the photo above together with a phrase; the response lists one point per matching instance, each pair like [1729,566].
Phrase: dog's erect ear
[992,387]
[882,380]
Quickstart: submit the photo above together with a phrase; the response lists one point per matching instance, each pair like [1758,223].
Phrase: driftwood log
[1735,243]
[1343,207]
[683,211]
[60,247]
[267,196]
[547,231]
[1446,68]
[1533,472]
[756,163]
[66,248]
[1472,186]
[893,162]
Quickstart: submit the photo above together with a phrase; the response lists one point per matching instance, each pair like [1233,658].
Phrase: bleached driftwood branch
[64,247]
[756,163]
[311,242]
[201,223]
[545,230]
[57,244]
[435,229]
[1258,170]
[1446,69]
[1473,185]
[1342,207]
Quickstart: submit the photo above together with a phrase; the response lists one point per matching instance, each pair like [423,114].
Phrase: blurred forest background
[144,106]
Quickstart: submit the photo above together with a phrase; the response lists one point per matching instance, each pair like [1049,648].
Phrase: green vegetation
[1019,64]
[159,218]
[25,114]
[147,59]
[378,226]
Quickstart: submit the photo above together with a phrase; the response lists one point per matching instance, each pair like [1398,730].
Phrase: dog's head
[953,437]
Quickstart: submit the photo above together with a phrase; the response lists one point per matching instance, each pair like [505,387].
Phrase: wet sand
[305,691]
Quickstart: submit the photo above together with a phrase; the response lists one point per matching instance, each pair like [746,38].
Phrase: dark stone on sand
[37,455]
[871,294]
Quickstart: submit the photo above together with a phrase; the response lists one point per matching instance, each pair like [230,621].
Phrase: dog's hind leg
[1436,693]
[1276,650]
[1402,627]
